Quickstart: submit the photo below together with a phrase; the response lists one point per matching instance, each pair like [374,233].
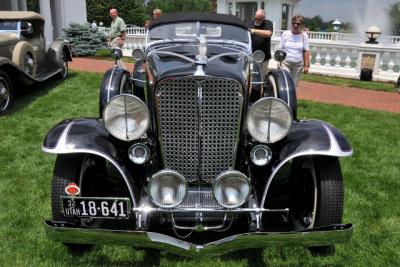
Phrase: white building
[57,13]
[279,12]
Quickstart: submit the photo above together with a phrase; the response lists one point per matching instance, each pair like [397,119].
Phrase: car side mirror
[258,56]
[116,53]
[137,54]
[26,27]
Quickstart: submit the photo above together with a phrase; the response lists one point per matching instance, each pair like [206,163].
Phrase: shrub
[85,40]
[103,53]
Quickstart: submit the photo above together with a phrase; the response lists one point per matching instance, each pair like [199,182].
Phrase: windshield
[9,26]
[191,30]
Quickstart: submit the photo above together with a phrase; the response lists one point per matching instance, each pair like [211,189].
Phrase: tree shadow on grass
[24,95]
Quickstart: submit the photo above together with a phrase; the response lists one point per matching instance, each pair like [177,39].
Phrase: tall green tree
[132,11]
[33,5]
[173,6]
[394,14]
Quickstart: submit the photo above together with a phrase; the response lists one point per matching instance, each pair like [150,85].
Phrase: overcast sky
[360,12]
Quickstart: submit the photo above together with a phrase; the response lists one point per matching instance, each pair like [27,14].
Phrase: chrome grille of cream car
[199,122]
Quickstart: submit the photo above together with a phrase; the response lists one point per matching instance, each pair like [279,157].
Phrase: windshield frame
[199,25]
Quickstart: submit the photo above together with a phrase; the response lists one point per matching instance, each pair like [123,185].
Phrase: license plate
[95,207]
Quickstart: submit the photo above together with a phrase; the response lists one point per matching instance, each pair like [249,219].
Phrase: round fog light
[139,153]
[261,155]
[167,188]
[231,189]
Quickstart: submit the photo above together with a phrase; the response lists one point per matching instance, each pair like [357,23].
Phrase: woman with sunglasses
[295,44]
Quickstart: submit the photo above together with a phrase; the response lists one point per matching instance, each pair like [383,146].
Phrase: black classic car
[24,58]
[195,155]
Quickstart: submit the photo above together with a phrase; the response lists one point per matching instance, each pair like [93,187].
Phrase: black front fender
[115,82]
[309,138]
[315,137]
[285,88]
[87,136]
[80,135]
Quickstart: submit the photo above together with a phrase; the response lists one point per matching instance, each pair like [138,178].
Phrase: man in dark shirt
[261,31]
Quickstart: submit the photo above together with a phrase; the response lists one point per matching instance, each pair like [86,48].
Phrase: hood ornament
[201,58]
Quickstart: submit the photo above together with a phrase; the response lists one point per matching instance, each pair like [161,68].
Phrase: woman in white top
[295,44]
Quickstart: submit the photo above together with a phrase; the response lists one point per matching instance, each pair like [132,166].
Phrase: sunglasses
[257,19]
[295,24]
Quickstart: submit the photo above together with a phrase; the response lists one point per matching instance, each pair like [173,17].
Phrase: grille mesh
[181,123]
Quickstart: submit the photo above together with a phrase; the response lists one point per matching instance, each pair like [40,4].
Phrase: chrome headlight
[269,120]
[261,155]
[231,189]
[139,153]
[167,188]
[126,117]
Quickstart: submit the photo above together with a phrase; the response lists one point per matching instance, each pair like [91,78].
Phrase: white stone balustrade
[332,54]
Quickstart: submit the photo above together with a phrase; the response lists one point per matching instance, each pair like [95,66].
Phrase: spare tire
[25,58]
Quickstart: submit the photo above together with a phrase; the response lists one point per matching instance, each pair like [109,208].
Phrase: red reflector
[72,189]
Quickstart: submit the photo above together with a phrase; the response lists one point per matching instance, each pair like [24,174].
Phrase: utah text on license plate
[95,207]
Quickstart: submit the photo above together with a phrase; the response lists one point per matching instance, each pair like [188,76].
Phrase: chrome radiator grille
[199,123]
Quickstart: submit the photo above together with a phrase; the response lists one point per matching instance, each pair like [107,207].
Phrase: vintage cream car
[24,58]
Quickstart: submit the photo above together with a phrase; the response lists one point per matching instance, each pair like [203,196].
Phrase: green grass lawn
[376,86]
[371,182]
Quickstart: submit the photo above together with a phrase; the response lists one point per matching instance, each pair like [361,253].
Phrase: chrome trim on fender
[109,84]
[287,89]
[334,150]
[321,236]
[62,148]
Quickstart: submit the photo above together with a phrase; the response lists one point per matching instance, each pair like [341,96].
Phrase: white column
[273,12]
[45,10]
[290,15]
[14,6]
[223,7]
[233,8]
[22,5]
[259,5]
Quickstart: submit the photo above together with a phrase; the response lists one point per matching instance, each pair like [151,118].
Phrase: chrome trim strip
[334,150]
[240,121]
[109,84]
[172,54]
[208,210]
[199,129]
[62,148]
[321,236]
[241,54]
[287,89]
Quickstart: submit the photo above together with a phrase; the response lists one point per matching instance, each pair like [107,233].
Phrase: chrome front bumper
[321,236]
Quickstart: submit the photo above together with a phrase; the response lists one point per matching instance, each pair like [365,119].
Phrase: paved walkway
[307,90]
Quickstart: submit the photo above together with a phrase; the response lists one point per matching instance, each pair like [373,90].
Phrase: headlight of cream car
[126,117]
[269,120]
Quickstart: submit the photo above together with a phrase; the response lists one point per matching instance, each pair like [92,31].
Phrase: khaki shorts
[295,69]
